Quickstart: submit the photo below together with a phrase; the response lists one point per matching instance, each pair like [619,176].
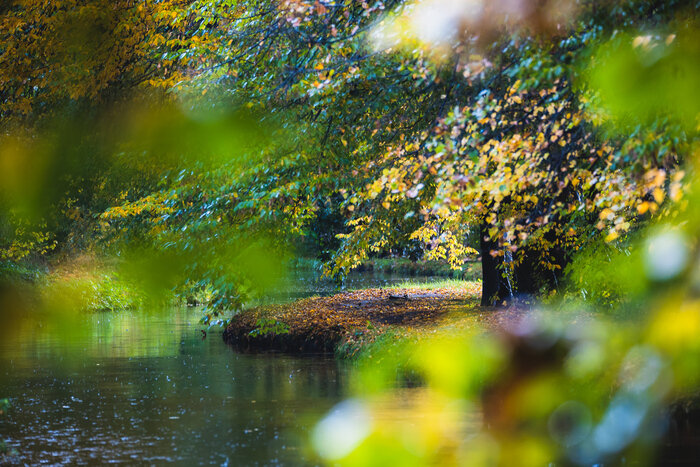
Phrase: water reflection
[136,387]
[145,387]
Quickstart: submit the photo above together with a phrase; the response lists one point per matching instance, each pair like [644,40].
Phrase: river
[134,387]
[149,387]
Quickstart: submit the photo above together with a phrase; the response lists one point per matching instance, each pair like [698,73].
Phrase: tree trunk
[528,277]
[494,286]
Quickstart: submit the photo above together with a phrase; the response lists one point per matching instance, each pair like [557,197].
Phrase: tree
[70,53]
[68,72]
[526,161]
[328,101]
[497,133]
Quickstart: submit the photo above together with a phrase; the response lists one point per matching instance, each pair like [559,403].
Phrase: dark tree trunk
[527,276]
[527,280]
[494,286]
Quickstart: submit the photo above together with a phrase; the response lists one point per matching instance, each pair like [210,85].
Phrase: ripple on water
[146,388]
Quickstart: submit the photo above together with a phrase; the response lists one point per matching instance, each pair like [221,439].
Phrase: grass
[20,273]
[404,266]
[90,284]
[452,284]
[96,291]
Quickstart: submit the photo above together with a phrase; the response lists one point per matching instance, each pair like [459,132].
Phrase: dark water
[146,388]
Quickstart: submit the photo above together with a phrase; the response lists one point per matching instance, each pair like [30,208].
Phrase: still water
[147,388]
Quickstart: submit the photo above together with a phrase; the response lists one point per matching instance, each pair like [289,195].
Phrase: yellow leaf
[606,213]
[659,195]
[611,236]
[676,328]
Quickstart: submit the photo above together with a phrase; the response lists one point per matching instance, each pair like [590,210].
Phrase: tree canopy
[200,144]
[489,136]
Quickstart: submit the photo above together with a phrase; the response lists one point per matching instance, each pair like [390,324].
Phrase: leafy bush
[6,454]
[93,292]
[265,326]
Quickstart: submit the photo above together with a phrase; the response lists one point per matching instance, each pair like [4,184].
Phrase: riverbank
[89,283]
[348,322]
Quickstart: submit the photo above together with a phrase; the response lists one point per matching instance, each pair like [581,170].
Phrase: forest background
[198,146]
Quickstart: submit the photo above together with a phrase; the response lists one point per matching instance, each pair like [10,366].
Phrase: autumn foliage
[344,123]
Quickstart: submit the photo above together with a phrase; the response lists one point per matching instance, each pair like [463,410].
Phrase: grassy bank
[405,267]
[89,284]
[444,284]
[82,283]
[93,283]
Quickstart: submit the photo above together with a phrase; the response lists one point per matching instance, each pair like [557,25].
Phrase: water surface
[151,387]
[147,388]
